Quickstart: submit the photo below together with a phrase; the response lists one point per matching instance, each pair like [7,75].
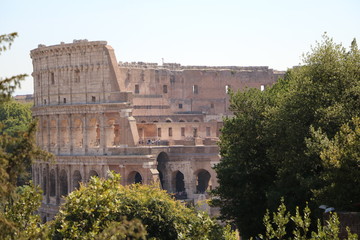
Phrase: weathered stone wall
[149,123]
[172,88]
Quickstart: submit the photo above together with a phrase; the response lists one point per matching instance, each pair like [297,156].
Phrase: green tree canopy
[92,209]
[265,146]
[15,117]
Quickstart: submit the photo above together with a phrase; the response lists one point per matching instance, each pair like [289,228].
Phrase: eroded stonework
[148,122]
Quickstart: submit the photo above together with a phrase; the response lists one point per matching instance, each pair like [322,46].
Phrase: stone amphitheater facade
[150,123]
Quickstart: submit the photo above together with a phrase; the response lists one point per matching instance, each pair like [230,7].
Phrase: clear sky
[272,33]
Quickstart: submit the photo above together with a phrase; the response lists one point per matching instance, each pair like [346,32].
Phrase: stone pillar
[48,133]
[58,132]
[167,181]
[82,173]
[102,133]
[85,134]
[189,181]
[104,170]
[41,130]
[70,185]
[71,133]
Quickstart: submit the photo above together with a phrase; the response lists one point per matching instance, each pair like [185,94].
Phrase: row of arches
[178,180]
[59,186]
[71,131]
[169,120]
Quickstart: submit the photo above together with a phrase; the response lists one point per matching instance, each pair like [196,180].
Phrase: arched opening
[52,183]
[112,133]
[138,178]
[182,120]
[168,120]
[162,161]
[44,183]
[78,133]
[116,135]
[63,183]
[93,173]
[53,133]
[37,176]
[94,133]
[64,132]
[135,177]
[76,179]
[179,182]
[202,181]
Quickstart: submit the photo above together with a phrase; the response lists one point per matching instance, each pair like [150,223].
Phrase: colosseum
[148,122]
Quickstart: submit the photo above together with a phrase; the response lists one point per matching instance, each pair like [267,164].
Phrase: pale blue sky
[272,33]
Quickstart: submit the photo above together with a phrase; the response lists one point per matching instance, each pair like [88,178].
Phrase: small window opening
[208,131]
[159,132]
[137,90]
[64,100]
[180,105]
[52,78]
[165,90]
[195,89]
[93,99]
[183,132]
[170,132]
[195,133]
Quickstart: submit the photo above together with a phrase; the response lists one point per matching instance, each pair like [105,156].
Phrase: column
[71,134]
[58,132]
[102,133]
[85,134]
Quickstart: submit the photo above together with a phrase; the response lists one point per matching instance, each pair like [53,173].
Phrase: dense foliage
[15,118]
[92,209]
[280,142]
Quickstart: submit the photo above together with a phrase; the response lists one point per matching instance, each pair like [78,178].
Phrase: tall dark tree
[265,146]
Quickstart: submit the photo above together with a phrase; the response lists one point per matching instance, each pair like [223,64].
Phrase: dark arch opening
[179,182]
[93,173]
[44,183]
[203,179]
[135,177]
[138,178]
[52,183]
[162,161]
[76,179]
[161,178]
[63,183]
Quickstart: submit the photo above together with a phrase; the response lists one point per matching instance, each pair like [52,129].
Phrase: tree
[341,162]
[265,146]
[90,211]
[17,150]
[277,226]
[15,118]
